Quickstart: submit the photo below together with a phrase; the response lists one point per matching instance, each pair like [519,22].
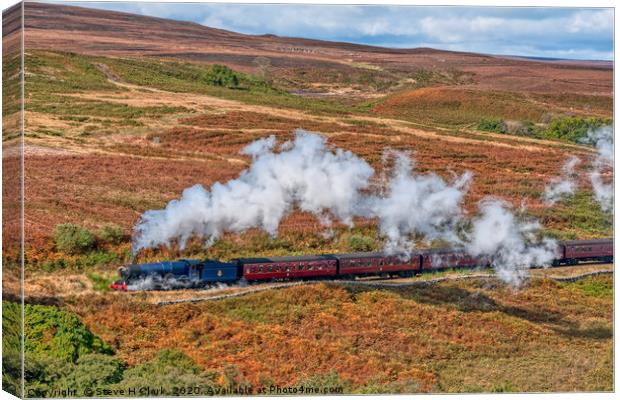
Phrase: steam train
[201,273]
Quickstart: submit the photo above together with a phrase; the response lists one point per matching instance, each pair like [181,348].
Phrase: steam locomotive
[201,273]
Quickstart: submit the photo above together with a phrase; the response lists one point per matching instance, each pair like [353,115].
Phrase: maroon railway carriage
[448,258]
[267,268]
[574,251]
[377,263]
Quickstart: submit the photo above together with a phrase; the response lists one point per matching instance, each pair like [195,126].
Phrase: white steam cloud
[304,173]
[603,139]
[333,183]
[509,244]
[417,204]
[561,187]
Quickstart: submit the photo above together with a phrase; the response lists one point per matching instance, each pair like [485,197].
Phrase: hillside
[99,32]
[123,112]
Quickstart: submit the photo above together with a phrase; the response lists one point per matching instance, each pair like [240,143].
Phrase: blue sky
[576,33]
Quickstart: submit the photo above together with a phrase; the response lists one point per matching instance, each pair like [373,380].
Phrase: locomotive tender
[198,273]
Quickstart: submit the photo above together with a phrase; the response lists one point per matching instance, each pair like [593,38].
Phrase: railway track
[377,285]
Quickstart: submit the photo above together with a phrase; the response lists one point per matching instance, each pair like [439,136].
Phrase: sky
[573,33]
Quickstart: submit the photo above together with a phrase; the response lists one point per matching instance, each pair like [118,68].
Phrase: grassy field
[461,336]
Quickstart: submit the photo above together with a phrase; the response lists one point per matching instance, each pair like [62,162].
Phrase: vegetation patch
[61,353]
[488,111]
[435,338]
[577,217]
[73,239]
[493,125]
[572,129]
[592,286]
[71,106]
[53,332]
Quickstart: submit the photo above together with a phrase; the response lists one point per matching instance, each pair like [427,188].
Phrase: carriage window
[310,267]
[300,267]
[260,268]
[269,268]
[288,268]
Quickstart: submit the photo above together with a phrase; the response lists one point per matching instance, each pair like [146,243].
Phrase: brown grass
[451,337]
[462,106]
[94,189]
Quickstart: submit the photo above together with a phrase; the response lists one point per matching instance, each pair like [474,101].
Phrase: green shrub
[112,234]
[361,243]
[11,347]
[50,331]
[492,125]
[73,239]
[170,369]
[92,371]
[221,75]
[572,129]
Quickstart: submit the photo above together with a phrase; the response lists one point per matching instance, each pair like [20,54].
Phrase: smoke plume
[563,186]
[509,244]
[304,173]
[417,204]
[332,183]
[603,139]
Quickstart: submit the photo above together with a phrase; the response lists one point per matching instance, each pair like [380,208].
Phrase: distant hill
[111,33]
